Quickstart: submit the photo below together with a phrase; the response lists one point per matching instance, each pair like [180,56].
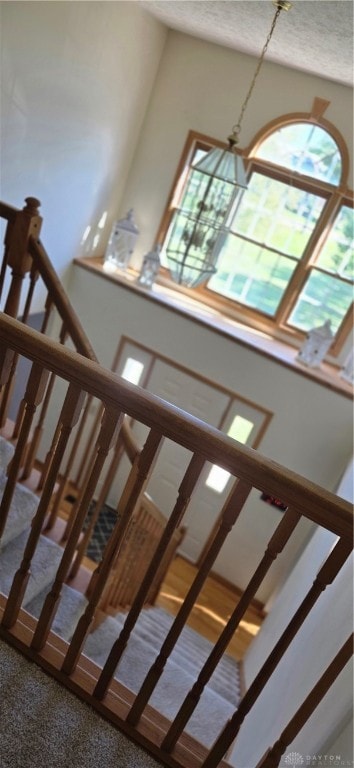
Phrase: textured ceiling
[315,36]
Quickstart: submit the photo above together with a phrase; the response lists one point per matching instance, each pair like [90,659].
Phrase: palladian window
[285,260]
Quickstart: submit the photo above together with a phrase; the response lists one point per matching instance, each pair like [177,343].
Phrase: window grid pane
[337,253]
[323,297]
[269,233]
[305,148]
[277,215]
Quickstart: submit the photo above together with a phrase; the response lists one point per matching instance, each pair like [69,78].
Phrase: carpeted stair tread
[44,565]
[71,607]
[6,452]
[189,654]
[44,725]
[152,627]
[212,711]
[23,507]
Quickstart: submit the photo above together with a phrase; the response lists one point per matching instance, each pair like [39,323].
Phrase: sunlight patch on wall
[239,430]
[132,370]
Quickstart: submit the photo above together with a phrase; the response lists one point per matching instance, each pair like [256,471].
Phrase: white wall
[201,86]
[343,744]
[324,631]
[322,634]
[310,431]
[75,83]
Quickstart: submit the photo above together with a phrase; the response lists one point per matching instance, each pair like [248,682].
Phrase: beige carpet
[42,725]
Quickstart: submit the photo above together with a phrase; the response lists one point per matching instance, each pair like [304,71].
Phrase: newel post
[27,223]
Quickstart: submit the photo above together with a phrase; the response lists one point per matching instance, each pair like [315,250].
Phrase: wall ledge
[259,341]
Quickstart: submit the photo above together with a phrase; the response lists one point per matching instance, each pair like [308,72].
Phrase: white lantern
[149,268]
[121,243]
[316,345]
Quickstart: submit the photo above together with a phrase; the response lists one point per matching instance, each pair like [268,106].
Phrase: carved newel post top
[32,205]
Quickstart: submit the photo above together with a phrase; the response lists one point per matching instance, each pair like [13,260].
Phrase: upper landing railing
[26,264]
[85,379]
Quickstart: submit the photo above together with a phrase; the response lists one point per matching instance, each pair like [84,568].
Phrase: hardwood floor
[212,609]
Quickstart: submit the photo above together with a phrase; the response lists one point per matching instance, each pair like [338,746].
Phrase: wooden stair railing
[85,379]
[25,256]
[144,531]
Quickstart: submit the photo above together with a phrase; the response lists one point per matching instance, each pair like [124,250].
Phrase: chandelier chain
[237,127]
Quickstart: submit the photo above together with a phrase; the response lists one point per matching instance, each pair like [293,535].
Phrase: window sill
[176,301]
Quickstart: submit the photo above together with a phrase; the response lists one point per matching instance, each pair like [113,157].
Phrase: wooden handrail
[29,255]
[8,212]
[305,497]
[87,380]
[60,299]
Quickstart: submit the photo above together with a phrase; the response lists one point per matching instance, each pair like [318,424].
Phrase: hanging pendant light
[197,233]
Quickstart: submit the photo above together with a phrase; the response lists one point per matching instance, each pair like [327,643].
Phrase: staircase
[74,423]
[46,559]
[222,694]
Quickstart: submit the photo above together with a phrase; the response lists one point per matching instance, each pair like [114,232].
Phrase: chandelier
[197,232]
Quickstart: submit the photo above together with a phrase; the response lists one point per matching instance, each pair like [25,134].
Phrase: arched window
[304,148]
[286,261]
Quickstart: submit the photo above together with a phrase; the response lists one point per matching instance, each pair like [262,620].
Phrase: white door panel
[199,398]
[240,419]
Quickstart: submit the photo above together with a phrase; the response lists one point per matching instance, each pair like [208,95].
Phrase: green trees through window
[287,250]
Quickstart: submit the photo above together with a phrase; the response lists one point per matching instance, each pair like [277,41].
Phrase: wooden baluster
[27,223]
[167,558]
[136,482]
[7,394]
[64,481]
[6,359]
[6,363]
[229,515]
[276,544]
[121,573]
[48,458]
[108,434]
[82,548]
[272,757]
[3,409]
[325,576]
[33,396]
[34,274]
[185,491]
[48,307]
[69,415]
[37,433]
[90,441]
[38,430]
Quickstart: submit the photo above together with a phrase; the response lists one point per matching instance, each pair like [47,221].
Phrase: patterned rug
[101,532]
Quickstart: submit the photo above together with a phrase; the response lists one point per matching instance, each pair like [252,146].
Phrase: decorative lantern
[198,229]
[149,268]
[121,243]
[316,345]
[347,372]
